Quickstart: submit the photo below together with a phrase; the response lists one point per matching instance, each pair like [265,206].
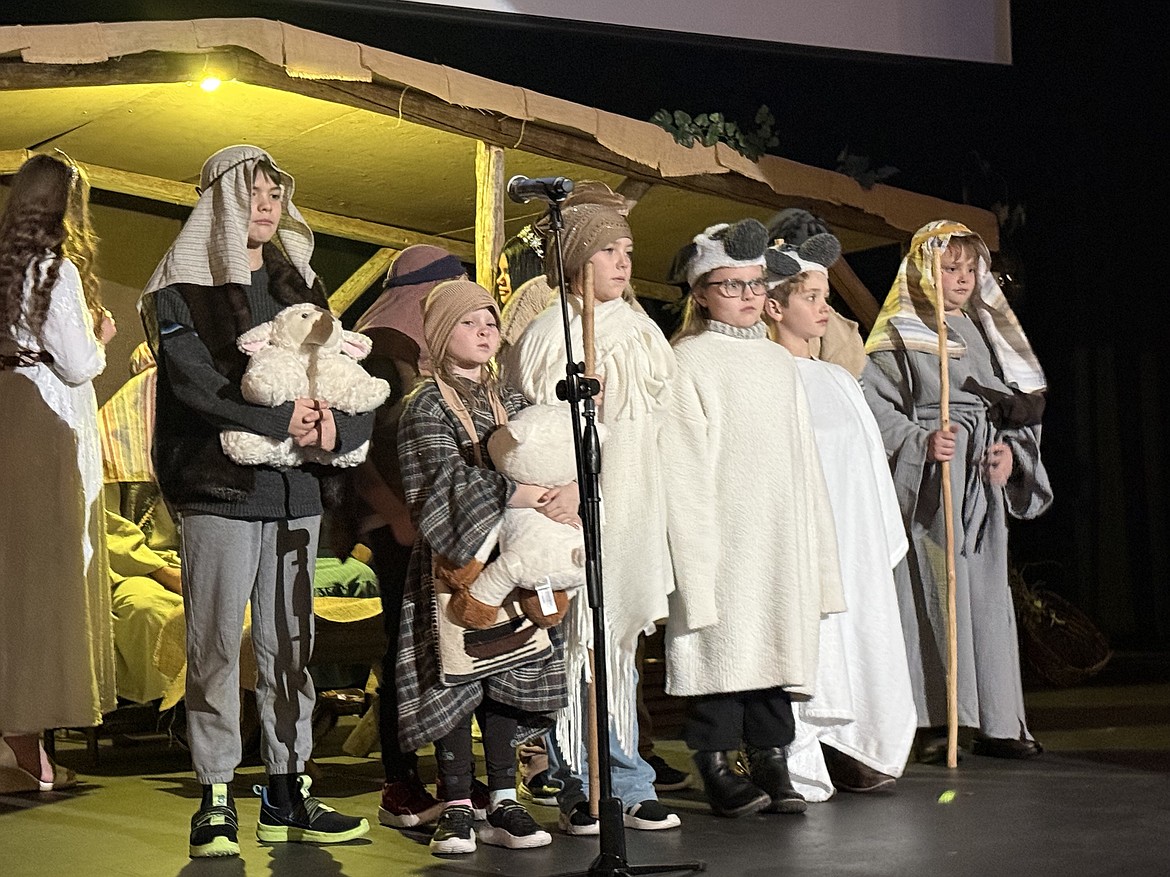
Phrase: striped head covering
[907,318]
[126,423]
[211,248]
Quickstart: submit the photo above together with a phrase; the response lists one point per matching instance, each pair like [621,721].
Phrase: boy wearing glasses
[751,532]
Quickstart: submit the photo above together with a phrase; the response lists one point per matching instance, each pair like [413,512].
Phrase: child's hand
[303,425]
[561,504]
[940,445]
[998,463]
[170,578]
[599,399]
[326,428]
[107,329]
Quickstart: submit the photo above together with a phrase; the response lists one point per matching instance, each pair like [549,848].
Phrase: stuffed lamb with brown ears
[303,353]
[534,447]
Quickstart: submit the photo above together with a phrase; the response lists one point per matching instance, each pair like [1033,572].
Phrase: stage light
[210,83]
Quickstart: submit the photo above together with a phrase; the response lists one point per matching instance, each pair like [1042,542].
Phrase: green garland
[711,128]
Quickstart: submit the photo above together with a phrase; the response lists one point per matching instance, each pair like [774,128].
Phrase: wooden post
[489,212]
[361,280]
[944,379]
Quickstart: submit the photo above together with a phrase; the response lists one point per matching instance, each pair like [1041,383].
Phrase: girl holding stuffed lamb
[456,499]
[751,531]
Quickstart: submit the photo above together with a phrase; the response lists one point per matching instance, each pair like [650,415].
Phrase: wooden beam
[361,280]
[860,300]
[173,192]
[383,235]
[654,289]
[633,190]
[489,212]
[12,159]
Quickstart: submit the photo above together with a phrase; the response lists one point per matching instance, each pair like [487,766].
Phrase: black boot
[768,769]
[729,793]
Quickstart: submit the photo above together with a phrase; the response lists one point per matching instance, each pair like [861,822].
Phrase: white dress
[56,639]
[864,706]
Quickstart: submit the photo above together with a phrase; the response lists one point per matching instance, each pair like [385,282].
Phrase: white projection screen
[960,30]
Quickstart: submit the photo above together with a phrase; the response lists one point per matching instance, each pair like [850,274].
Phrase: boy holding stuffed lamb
[249,532]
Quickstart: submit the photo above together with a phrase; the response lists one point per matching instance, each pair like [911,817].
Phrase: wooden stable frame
[552,131]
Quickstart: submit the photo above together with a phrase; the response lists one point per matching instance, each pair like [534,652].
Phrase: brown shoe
[850,775]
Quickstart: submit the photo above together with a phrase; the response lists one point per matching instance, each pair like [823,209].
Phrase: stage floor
[1098,802]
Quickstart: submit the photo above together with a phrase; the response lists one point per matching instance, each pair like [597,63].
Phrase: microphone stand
[579,390]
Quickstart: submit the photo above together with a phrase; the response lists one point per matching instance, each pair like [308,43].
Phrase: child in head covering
[856,732]
[456,499]
[635,365]
[751,531]
[996,397]
[394,323]
[249,533]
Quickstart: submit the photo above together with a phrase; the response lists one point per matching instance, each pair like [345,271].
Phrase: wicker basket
[1059,644]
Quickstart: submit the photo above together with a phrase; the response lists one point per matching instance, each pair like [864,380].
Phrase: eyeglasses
[736,288]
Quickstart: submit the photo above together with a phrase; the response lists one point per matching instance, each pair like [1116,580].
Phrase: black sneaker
[454,832]
[578,822]
[510,825]
[480,797]
[305,820]
[214,827]
[667,778]
[650,815]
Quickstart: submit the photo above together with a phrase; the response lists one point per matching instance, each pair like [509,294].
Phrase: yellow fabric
[126,425]
[129,553]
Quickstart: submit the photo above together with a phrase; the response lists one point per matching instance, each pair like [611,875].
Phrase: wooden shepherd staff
[590,365]
[944,381]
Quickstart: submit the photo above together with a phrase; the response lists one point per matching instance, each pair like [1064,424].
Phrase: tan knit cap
[595,217]
[445,306]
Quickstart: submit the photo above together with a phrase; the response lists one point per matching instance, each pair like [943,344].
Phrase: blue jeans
[631,777]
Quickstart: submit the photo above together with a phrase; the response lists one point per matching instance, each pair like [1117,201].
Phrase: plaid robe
[455,504]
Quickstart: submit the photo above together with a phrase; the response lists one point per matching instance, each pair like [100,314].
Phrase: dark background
[1069,141]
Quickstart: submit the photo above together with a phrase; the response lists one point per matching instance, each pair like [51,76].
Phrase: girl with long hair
[56,639]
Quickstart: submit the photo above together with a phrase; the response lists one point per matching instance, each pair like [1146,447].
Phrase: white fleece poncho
[638,366]
[751,530]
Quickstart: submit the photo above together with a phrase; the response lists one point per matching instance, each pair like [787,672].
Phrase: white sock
[499,796]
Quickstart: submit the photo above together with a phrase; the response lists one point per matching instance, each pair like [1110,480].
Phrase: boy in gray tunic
[993,446]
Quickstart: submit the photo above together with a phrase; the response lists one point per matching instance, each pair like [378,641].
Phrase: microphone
[554,190]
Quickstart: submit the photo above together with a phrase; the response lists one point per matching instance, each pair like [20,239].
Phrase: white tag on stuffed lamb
[544,592]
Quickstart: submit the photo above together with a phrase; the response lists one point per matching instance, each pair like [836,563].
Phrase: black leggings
[456,762]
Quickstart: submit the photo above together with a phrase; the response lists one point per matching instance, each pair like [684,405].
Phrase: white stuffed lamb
[303,353]
[534,447]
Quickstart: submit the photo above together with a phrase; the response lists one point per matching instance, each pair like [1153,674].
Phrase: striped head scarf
[126,423]
[907,318]
[211,248]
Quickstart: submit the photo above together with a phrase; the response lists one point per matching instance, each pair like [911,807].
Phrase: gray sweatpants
[225,564]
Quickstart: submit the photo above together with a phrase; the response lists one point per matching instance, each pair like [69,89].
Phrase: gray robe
[902,388]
